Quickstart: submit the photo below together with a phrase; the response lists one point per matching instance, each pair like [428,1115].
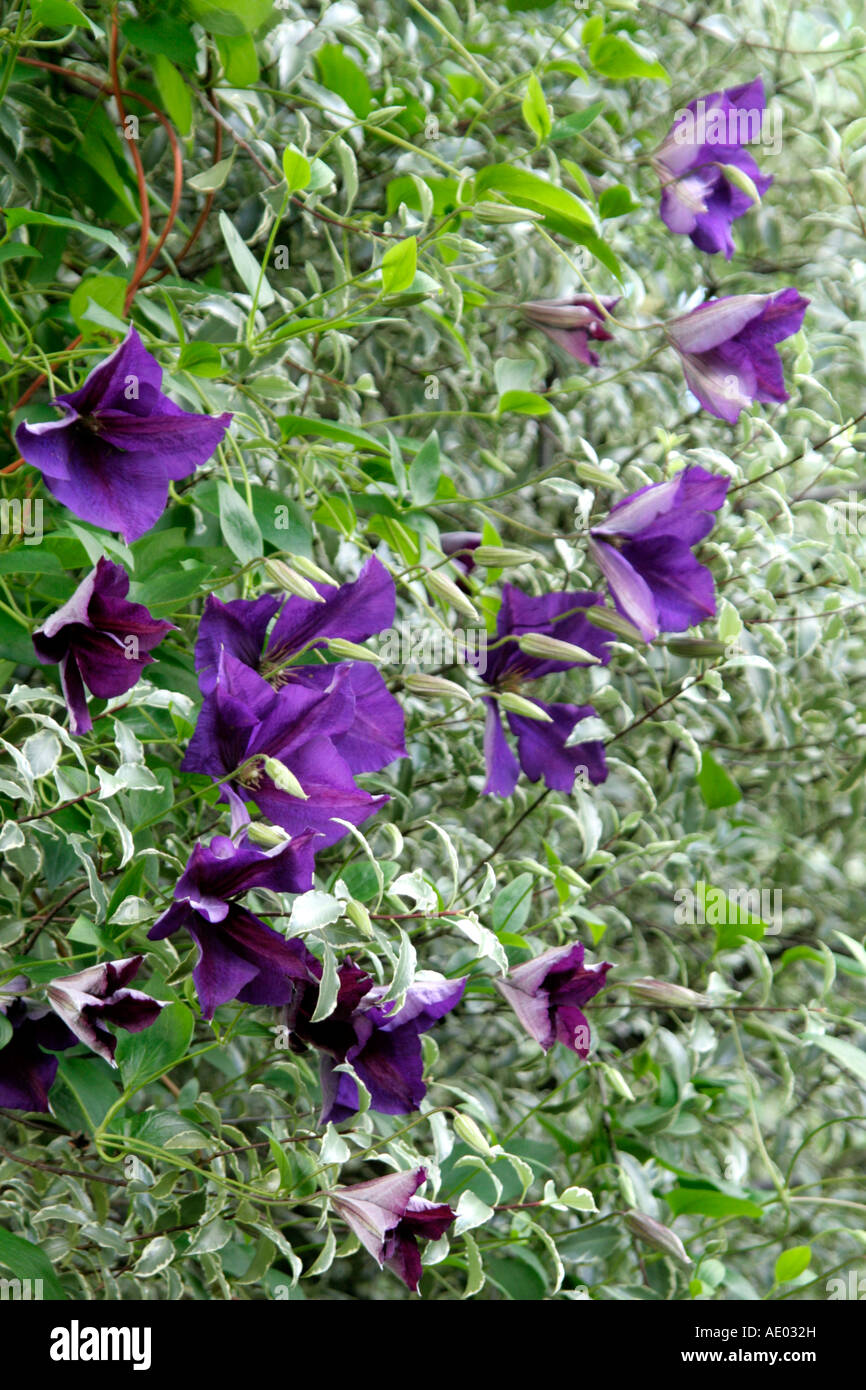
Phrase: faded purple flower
[27,1069]
[728,349]
[101,641]
[354,612]
[643,548]
[239,956]
[389,1220]
[122,441]
[90,999]
[542,745]
[382,1044]
[571,323]
[244,721]
[698,199]
[547,994]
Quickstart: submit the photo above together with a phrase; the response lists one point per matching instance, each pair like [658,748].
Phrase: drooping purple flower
[571,323]
[28,1066]
[122,441]
[728,349]
[389,1220]
[243,720]
[698,199]
[542,745]
[239,956]
[352,612]
[101,641]
[90,999]
[547,995]
[383,1044]
[643,548]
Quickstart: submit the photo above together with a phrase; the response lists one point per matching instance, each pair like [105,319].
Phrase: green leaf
[614,56]
[424,471]
[239,59]
[852,1058]
[26,1261]
[163,34]
[399,264]
[83,1093]
[238,525]
[707,1201]
[341,74]
[576,121]
[58,14]
[792,1263]
[248,269]
[200,359]
[297,169]
[328,429]
[21,217]
[717,788]
[149,1054]
[616,201]
[107,291]
[561,209]
[535,109]
[232,17]
[174,92]
[523,403]
[511,906]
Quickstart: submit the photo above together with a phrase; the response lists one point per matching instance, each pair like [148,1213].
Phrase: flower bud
[284,779]
[445,588]
[551,648]
[500,556]
[359,917]
[696,646]
[268,836]
[311,570]
[420,684]
[467,1130]
[613,622]
[351,651]
[666,993]
[592,474]
[500,212]
[518,705]
[291,581]
[656,1235]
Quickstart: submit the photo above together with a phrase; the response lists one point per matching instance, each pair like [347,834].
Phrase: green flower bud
[291,581]
[613,622]
[284,779]
[419,684]
[312,571]
[551,648]
[352,651]
[500,556]
[518,705]
[268,836]
[359,917]
[442,587]
[657,1235]
[666,993]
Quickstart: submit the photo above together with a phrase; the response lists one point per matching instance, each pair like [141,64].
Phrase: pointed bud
[284,779]
[740,179]
[595,476]
[518,705]
[359,916]
[501,556]
[696,647]
[291,581]
[656,1235]
[551,648]
[268,836]
[666,993]
[352,651]
[419,684]
[445,588]
[613,622]
[501,213]
[467,1130]
[312,571]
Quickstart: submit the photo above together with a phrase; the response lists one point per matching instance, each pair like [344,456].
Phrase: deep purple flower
[571,323]
[389,1219]
[239,957]
[547,994]
[728,349]
[27,1070]
[456,544]
[697,197]
[101,641]
[122,441]
[644,551]
[541,744]
[354,612]
[383,1044]
[90,999]
[244,721]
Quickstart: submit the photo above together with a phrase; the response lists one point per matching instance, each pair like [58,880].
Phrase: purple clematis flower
[644,546]
[353,612]
[389,1219]
[244,721]
[383,1044]
[239,957]
[547,994]
[698,200]
[728,349]
[122,441]
[101,641]
[571,323]
[456,544]
[27,1069]
[90,999]
[542,746]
